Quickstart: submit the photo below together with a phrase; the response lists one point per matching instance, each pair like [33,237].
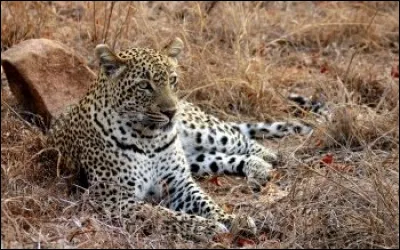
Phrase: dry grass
[240,61]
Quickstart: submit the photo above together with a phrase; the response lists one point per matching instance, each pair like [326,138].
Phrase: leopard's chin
[168,127]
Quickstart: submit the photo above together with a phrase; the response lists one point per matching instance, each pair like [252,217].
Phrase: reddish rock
[46,76]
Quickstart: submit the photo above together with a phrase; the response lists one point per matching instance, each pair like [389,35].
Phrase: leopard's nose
[169,113]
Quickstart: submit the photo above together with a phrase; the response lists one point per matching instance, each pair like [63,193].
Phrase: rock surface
[46,76]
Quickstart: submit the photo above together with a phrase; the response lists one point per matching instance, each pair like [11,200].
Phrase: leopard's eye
[145,85]
[173,81]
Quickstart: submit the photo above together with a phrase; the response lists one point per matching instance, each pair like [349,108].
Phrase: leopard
[141,147]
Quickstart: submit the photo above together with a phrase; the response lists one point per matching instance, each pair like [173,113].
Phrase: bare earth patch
[338,188]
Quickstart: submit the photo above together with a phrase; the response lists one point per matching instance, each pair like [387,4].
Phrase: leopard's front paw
[239,224]
[258,172]
[202,228]
[243,224]
[221,228]
[269,156]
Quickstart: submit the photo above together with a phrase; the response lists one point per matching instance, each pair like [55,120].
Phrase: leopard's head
[141,85]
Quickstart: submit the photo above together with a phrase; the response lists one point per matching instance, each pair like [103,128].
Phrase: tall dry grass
[240,61]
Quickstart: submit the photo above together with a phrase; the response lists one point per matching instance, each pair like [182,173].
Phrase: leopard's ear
[110,63]
[175,48]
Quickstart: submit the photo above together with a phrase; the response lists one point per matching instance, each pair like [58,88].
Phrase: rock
[46,76]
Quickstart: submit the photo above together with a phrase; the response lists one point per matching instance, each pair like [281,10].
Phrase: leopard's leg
[200,132]
[212,136]
[257,170]
[135,214]
[161,219]
[181,193]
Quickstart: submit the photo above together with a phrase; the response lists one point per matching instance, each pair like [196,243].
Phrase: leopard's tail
[263,130]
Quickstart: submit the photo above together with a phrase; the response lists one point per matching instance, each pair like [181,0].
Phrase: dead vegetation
[240,61]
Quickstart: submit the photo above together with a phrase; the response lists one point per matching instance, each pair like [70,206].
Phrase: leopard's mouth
[159,121]
[164,125]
